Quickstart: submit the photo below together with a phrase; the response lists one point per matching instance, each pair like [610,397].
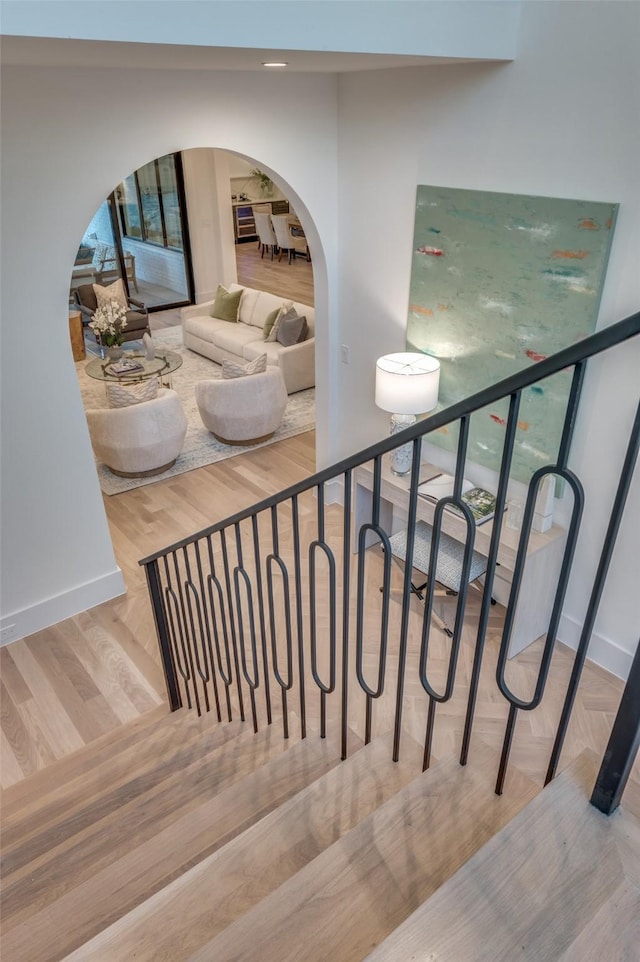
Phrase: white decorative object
[149,346]
[406,384]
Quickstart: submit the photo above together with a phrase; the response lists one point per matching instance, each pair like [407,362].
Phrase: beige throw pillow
[285,310]
[269,321]
[231,369]
[114,292]
[123,396]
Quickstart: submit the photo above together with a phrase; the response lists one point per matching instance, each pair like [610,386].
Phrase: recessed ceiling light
[275,63]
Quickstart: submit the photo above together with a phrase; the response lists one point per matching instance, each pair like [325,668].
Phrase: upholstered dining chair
[265,230]
[139,440]
[283,235]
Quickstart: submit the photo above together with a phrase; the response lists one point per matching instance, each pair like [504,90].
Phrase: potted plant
[107,324]
[264,181]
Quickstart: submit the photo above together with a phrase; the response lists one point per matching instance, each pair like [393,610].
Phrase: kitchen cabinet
[244,225]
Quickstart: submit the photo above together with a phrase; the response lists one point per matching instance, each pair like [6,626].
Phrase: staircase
[175,839]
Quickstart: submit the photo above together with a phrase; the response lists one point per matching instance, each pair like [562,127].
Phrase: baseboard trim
[24,622]
[602,651]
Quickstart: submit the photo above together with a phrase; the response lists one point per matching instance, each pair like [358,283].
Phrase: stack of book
[125,366]
[481,501]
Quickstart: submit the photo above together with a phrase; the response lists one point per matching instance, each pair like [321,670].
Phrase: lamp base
[402,457]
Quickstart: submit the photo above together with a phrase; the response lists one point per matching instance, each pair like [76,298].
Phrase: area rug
[200,447]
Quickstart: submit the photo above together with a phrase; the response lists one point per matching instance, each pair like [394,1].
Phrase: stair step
[536,889]
[119,862]
[111,791]
[613,933]
[358,890]
[102,821]
[200,904]
[156,730]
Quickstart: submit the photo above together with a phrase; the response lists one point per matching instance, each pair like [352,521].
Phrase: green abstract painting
[498,282]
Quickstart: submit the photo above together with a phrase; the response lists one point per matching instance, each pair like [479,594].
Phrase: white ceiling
[53,52]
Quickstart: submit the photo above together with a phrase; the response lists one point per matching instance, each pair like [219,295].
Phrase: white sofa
[223,340]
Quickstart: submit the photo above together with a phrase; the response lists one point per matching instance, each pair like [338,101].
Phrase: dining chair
[284,240]
[265,232]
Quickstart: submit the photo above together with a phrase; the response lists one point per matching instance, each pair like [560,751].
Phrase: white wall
[57,553]
[562,120]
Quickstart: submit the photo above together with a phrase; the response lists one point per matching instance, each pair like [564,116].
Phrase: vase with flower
[107,324]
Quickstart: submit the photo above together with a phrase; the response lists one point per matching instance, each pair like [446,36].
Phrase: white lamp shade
[407,383]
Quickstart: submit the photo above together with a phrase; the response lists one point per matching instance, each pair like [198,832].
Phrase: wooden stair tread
[530,891]
[155,730]
[103,828]
[114,793]
[358,890]
[72,903]
[178,920]
[613,933]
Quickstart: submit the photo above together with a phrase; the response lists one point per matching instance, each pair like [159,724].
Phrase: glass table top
[165,362]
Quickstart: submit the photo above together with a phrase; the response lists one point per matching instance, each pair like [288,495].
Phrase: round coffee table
[162,365]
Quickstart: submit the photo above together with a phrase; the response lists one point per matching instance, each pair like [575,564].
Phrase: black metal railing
[289,595]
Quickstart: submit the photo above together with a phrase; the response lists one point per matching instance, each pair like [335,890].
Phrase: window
[149,204]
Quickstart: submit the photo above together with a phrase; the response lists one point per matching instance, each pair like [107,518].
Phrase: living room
[268,276]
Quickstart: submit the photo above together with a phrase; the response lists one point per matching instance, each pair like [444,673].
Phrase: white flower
[108,322]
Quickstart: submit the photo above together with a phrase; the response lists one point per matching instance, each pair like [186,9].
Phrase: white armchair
[140,440]
[243,410]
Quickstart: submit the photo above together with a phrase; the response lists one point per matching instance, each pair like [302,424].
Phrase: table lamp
[406,385]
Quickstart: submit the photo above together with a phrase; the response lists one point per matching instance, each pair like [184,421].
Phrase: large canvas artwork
[498,282]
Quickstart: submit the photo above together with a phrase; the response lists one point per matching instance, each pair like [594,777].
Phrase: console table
[544,550]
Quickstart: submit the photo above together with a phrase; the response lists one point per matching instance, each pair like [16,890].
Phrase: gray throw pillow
[292,330]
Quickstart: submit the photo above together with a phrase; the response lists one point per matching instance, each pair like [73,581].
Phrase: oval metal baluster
[177,630]
[558,601]
[232,621]
[321,545]
[225,672]
[434,695]
[263,629]
[285,684]
[252,681]
[196,635]
[492,561]
[206,628]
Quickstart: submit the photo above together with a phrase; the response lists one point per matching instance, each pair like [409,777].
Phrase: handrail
[248,588]
[594,344]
